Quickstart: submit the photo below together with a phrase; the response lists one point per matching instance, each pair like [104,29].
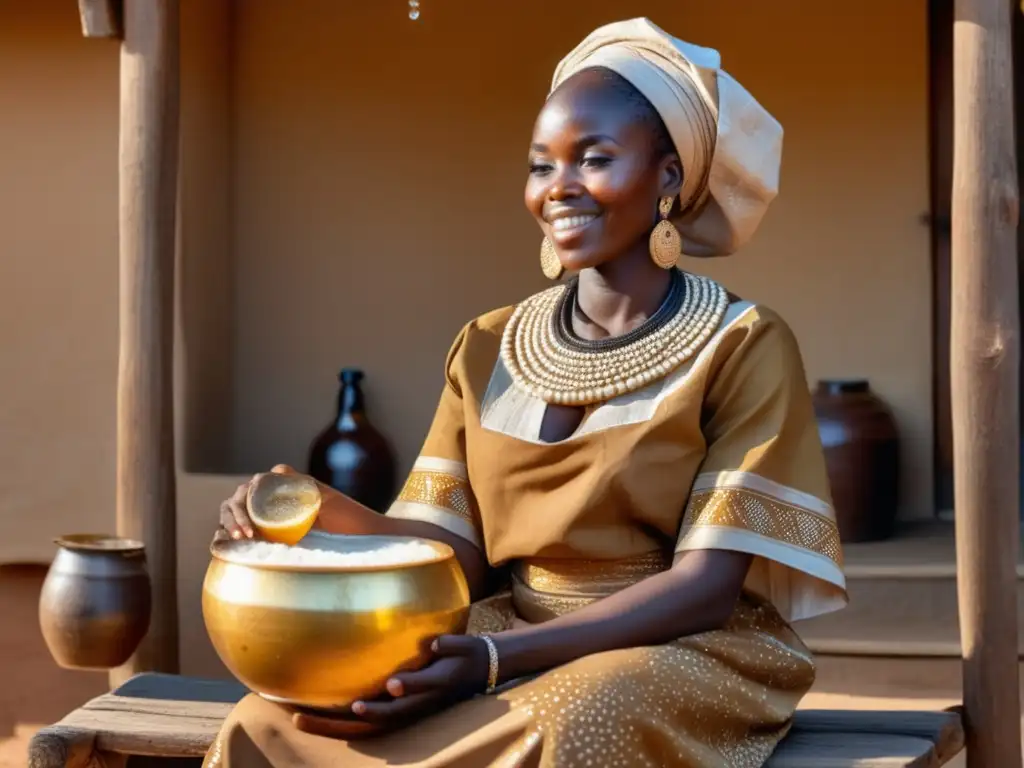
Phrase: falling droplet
[414,9]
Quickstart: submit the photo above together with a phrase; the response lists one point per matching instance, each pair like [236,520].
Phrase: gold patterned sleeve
[438,490]
[763,486]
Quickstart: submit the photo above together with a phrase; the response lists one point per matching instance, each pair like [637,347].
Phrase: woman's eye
[538,167]
[595,161]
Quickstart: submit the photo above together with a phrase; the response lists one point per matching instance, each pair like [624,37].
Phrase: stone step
[903,599]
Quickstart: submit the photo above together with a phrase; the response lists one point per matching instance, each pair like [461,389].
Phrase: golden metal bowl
[324,636]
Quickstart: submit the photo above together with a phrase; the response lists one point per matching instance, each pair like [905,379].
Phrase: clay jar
[861,442]
[95,603]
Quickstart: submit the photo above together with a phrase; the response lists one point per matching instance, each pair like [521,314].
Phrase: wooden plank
[119,709]
[150,726]
[867,739]
[984,356]
[145,424]
[152,714]
[180,717]
[158,727]
[100,18]
[852,750]
[942,729]
[155,685]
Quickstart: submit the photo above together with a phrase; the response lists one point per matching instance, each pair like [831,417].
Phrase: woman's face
[595,178]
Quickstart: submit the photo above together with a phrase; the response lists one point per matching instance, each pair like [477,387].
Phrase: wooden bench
[163,720]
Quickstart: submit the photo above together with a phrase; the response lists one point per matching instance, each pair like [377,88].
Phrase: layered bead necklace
[549,361]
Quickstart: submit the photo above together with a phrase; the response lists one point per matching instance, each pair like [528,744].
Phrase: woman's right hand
[234,512]
[340,514]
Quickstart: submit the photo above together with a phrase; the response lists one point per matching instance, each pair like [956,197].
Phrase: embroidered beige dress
[723,453]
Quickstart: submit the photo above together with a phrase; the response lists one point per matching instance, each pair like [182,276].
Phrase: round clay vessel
[862,451]
[94,608]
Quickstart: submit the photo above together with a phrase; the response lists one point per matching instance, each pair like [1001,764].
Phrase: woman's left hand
[458,671]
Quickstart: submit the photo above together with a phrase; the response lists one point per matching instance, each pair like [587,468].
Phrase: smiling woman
[600,160]
[634,452]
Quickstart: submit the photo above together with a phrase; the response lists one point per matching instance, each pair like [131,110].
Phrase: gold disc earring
[666,244]
[549,262]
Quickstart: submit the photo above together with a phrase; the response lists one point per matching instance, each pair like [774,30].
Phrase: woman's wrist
[340,514]
[523,652]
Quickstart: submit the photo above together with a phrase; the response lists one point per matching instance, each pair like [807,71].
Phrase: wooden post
[984,377]
[145,425]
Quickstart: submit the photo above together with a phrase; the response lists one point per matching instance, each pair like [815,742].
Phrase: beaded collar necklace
[549,361]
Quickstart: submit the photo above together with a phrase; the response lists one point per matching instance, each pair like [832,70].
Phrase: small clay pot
[862,451]
[94,608]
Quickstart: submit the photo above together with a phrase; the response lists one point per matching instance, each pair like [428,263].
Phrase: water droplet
[414,13]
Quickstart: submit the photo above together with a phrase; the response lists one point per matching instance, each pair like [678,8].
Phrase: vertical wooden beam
[984,378]
[145,425]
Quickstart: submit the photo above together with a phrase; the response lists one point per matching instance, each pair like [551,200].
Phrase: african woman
[635,445]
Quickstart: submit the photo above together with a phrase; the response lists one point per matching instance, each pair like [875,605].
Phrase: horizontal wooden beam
[100,18]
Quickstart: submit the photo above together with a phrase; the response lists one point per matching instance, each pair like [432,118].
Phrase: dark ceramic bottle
[350,455]
[862,450]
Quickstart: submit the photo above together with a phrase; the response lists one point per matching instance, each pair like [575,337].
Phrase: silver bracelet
[492,663]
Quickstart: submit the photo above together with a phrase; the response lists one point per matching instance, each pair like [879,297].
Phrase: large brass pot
[94,607]
[322,635]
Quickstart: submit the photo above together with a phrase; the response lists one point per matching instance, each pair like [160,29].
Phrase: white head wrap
[729,145]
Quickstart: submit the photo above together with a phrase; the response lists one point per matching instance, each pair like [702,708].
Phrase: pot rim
[99,542]
[220,549]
